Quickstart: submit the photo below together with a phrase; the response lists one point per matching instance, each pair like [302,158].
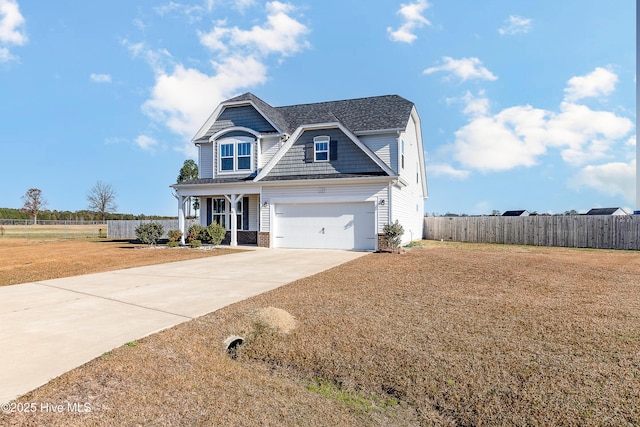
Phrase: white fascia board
[421,163]
[321,182]
[330,125]
[233,129]
[205,127]
[212,118]
[416,119]
[216,189]
[379,132]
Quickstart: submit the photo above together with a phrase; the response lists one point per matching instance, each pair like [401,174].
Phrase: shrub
[173,244]
[194,233]
[393,235]
[195,243]
[214,233]
[1,231]
[150,232]
[174,236]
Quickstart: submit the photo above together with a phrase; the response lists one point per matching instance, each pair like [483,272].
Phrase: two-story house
[323,175]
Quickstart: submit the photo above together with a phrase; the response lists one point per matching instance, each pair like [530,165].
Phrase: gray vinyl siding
[253,211]
[269,147]
[351,159]
[205,162]
[245,116]
[385,146]
[407,206]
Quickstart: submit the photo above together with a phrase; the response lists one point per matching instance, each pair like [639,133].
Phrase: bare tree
[33,203]
[102,199]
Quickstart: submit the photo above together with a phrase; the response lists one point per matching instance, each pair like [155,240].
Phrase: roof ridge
[344,100]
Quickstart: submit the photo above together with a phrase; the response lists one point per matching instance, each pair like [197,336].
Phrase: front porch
[238,213]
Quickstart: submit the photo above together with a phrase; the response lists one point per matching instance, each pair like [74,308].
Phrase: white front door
[325,225]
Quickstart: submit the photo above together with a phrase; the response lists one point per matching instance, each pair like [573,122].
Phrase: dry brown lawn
[447,334]
[29,260]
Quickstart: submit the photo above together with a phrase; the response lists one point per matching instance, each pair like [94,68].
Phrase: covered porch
[236,209]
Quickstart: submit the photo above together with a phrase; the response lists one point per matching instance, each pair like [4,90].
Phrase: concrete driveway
[50,327]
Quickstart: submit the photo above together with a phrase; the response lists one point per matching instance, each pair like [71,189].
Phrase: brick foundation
[263,239]
[382,242]
[244,238]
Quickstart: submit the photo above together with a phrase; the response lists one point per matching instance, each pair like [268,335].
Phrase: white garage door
[325,225]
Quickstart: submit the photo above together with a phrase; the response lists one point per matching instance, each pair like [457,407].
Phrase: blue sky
[524,104]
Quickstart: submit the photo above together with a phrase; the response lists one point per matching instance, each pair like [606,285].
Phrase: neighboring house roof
[516,213]
[357,115]
[606,211]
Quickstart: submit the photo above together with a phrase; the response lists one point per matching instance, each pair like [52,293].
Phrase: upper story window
[235,154]
[227,157]
[321,148]
[244,155]
[402,154]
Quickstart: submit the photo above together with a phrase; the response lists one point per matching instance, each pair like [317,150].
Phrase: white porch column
[233,201]
[181,200]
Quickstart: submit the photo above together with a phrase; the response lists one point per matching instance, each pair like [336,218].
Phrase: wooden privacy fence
[579,231]
[126,229]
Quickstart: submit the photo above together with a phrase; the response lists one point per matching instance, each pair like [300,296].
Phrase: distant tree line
[81,215]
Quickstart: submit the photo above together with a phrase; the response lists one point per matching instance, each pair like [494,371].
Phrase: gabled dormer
[229,142]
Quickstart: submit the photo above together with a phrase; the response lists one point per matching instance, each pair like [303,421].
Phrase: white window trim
[226,213]
[321,139]
[235,141]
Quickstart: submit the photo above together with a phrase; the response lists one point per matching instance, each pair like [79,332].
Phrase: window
[226,157]
[219,210]
[235,154]
[321,148]
[402,154]
[221,213]
[244,155]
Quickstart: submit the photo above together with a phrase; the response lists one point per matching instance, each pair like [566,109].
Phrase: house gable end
[344,157]
[241,116]
[322,129]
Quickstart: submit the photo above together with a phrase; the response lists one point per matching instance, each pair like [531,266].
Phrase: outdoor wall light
[382,202]
[265,204]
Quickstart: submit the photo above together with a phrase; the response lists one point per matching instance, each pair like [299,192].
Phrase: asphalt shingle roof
[358,115]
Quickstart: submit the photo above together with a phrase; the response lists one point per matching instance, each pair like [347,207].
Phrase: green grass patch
[350,398]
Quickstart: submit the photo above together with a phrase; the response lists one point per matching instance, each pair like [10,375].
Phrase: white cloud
[518,136]
[476,106]
[501,142]
[442,169]
[586,134]
[11,28]
[177,100]
[616,178]
[5,55]
[600,82]
[515,25]
[281,34]
[412,19]
[465,69]
[631,142]
[100,78]
[146,142]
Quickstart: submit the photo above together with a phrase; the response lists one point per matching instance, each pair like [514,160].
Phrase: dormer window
[321,148]
[235,155]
